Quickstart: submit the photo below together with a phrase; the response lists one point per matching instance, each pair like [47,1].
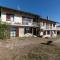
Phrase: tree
[4,30]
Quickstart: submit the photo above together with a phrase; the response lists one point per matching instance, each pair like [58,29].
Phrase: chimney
[47,18]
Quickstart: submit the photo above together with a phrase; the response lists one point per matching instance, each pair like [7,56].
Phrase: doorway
[13,32]
[34,31]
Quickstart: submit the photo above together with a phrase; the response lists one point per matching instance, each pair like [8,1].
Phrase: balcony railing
[58,28]
[30,24]
[15,24]
[24,24]
[48,28]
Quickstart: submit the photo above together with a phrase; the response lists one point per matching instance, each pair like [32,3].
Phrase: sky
[44,8]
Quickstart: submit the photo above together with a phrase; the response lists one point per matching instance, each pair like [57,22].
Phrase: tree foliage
[4,30]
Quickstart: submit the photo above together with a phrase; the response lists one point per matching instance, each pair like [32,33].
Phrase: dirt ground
[14,49]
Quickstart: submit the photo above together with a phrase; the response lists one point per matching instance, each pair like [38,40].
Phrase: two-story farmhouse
[58,29]
[23,22]
[48,28]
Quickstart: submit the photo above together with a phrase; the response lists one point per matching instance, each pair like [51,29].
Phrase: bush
[4,30]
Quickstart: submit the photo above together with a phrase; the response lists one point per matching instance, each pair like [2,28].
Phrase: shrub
[4,30]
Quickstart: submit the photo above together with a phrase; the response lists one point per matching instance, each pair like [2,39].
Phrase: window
[34,20]
[48,32]
[53,25]
[27,29]
[0,14]
[9,17]
[44,32]
[13,32]
[26,21]
[43,23]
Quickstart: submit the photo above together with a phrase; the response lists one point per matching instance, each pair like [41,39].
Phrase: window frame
[9,17]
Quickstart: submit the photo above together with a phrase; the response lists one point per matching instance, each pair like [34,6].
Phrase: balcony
[15,23]
[58,28]
[33,24]
[30,24]
[48,28]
